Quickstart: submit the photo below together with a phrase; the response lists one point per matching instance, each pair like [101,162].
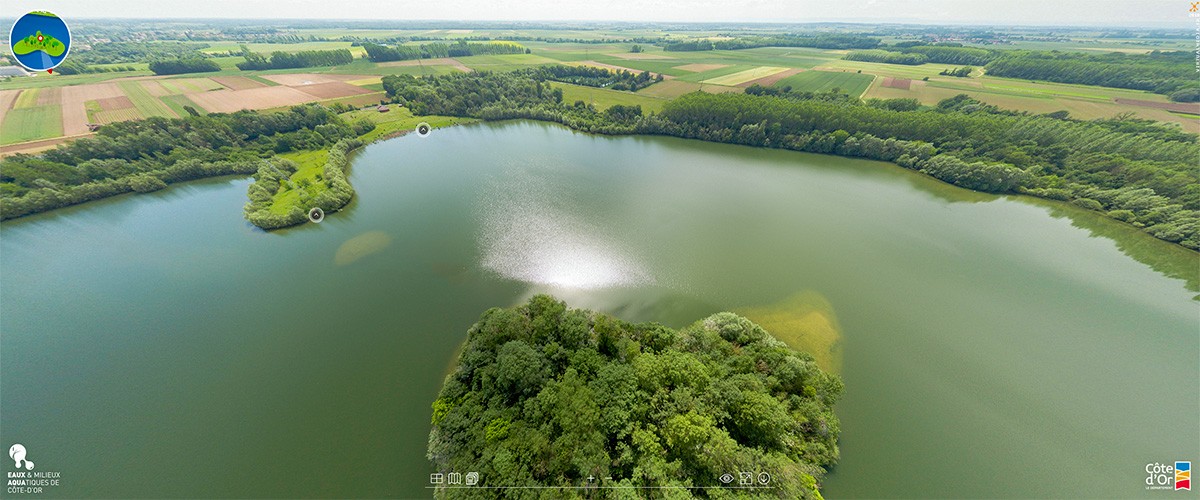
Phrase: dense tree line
[950,54]
[302,59]
[128,156]
[383,53]
[544,395]
[467,93]
[47,195]
[183,65]
[598,77]
[136,52]
[1133,170]
[886,56]
[833,95]
[1171,73]
[73,67]
[1147,179]
[820,41]
[331,192]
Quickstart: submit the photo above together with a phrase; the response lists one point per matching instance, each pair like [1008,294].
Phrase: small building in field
[383,108]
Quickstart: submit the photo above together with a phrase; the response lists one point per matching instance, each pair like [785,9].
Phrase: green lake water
[159,346]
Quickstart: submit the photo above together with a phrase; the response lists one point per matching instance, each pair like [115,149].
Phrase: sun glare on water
[525,238]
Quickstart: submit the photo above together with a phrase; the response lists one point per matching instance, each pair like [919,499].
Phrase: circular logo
[39,40]
[423,129]
[316,215]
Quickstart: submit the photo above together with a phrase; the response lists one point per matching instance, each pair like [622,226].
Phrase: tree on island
[544,395]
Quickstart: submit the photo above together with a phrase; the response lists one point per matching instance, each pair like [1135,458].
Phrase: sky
[1152,13]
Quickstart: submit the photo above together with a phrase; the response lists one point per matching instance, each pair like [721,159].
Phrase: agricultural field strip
[147,104]
[747,75]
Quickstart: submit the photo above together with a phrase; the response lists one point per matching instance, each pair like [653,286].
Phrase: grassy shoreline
[319,178]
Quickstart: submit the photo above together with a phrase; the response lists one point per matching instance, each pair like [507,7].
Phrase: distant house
[92,127]
[382,108]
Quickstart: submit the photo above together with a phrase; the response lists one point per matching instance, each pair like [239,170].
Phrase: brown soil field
[6,99]
[50,96]
[613,67]
[332,90]
[439,61]
[154,88]
[237,82]
[114,103]
[74,115]
[298,79]
[228,101]
[770,80]
[639,56]
[700,67]
[897,83]
[1180,107]
[363,100]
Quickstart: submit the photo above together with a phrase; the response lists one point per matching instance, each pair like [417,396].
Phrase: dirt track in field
[6,99]
[35,146]
[640,56]
[50,96]
[300,79]
[439,61]
[615,68]
[113,103]
[74,115]
[332,90]
[770,80]
[701,67]
[1179,107]
[228,101]
[237,82]
[897,83]
[154,88]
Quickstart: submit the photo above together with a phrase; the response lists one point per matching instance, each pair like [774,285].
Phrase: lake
[159,346]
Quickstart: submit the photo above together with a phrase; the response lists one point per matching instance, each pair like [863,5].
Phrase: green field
[178,101]
[27,99]
[365,67]
[604,98]
[115,115]
[824,70]
[399,119]
[42,80]
[189,85]
[745,76]
[31,123]
[311,164]
[138,66]
[145,103]
[228,62]
[823,81]
[893,70]
[267,48]
[504,62]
